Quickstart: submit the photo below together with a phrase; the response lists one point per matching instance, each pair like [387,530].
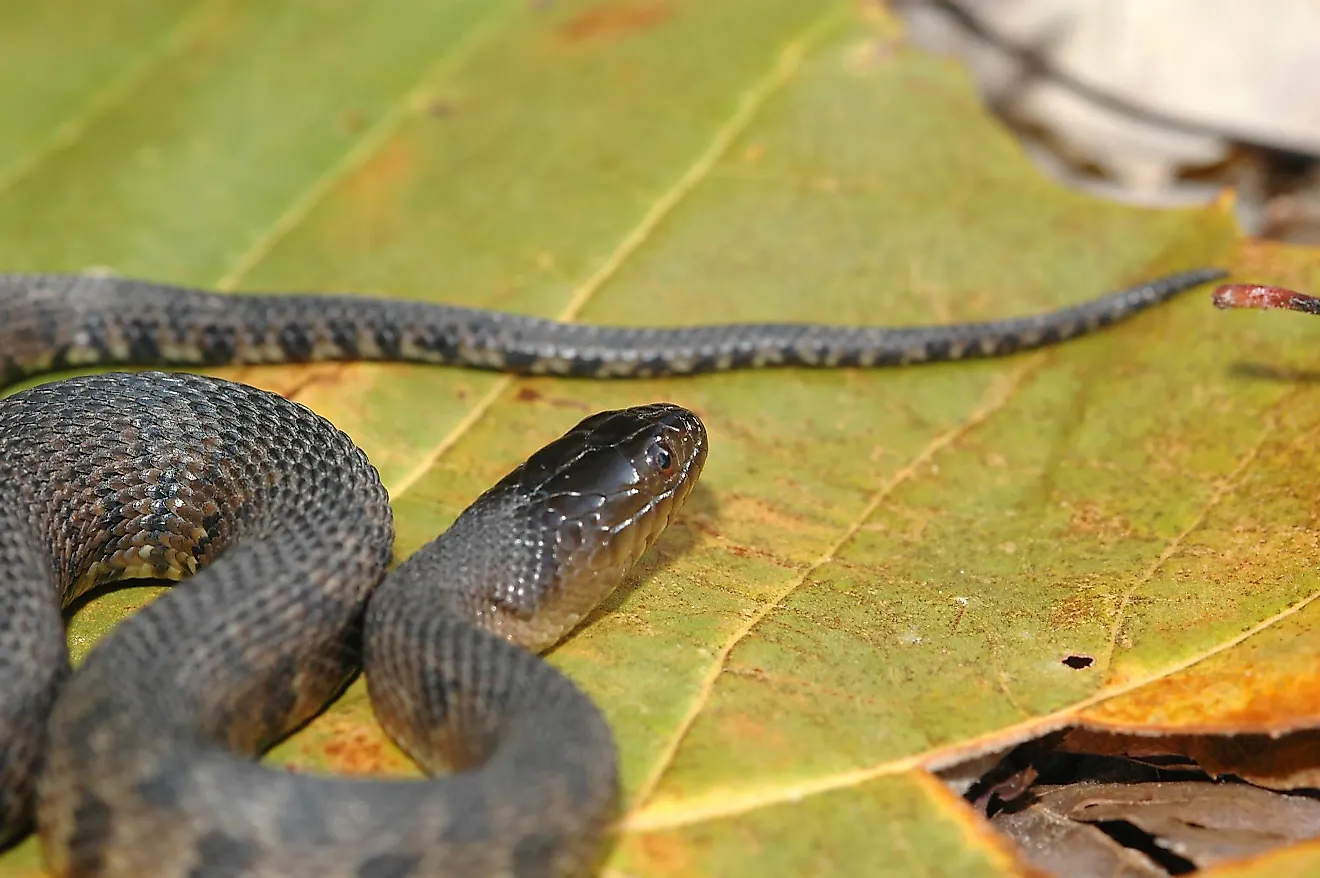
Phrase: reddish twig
[1263,298]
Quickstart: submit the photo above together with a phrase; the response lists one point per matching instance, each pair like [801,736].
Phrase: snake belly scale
[278,526]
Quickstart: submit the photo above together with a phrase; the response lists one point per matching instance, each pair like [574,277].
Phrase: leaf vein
[1000,395]
[1223,489]
[760,92]
[366,146]
[72,130]
[722,805]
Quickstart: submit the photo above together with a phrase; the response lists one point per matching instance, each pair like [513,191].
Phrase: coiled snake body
[139,764]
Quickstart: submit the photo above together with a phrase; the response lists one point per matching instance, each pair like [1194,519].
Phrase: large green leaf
[882,571]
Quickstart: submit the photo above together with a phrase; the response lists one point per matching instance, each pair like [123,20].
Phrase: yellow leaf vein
[1223,489]
[72,130]
[761,91]
[1000,394]
[367,146]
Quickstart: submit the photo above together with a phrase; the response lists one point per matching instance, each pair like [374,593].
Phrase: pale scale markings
[1031,337]
[367,346]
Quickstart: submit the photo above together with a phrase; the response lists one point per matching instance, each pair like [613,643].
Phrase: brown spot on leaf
[392,166]
[531,394]
[1090,519]
[739,506]
[1088,606]
[356,754]
[664,853]
[612,21]
[754,730]
[440,108]
[359,748]
[754,552]
[373,195]
[353,121]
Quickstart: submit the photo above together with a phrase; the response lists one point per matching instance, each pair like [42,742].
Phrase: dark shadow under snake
[140,764]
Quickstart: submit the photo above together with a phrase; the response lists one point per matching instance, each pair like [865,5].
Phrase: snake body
[139,763]
[289,528]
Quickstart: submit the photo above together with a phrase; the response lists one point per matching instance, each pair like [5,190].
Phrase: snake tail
[52,321]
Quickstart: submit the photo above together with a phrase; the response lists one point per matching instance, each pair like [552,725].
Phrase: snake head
[592,502]
[620,473]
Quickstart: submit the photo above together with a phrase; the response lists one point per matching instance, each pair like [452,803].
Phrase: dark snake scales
[140,764]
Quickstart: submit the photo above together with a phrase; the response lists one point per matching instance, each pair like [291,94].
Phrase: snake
[279,534]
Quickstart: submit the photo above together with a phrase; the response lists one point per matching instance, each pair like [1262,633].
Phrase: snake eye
[663,456]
